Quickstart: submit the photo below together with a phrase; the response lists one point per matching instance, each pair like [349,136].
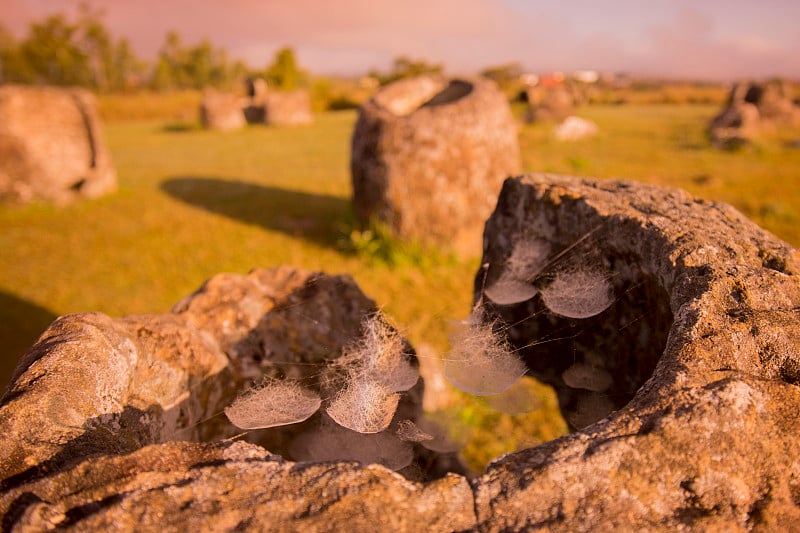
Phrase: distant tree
[83,52]
[283,73]
[200,64]
[168,72]
[507,76]
[211,66]
[404,67]
[53,53]
[113,64]
[182,67]
[503,74]
[126,70]
[61,52]
[12,67]
[95,43]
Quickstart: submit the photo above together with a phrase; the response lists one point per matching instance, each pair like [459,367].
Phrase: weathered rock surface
[183,486]
[222,111]
[51,146]
[429,156]
[685,388]
[118,422]
[689,418]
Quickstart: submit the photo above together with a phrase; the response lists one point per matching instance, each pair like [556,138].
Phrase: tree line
[83,52]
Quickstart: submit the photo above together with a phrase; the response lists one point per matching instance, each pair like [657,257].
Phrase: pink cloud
[709,39]
[692,45]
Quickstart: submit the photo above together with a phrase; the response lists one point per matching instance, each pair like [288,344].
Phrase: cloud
[15,15]
[346,33]
[709,39]
[691,45]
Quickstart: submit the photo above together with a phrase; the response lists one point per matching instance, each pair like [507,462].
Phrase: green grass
[193,203]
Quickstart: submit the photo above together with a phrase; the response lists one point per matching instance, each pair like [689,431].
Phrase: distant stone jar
[51,146]
[554,104]
[429,156]
[219,111]
[277,108]
[751,109]
[288,108]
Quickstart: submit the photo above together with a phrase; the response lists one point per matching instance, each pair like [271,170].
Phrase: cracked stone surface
[690,421]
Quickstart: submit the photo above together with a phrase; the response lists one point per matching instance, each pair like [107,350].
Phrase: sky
[699,39]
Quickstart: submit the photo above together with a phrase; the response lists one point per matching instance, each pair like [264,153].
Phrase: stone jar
[429,155]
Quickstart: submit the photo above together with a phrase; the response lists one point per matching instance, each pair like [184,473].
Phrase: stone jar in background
[277,108]
[429,155]
[751,109]
[51,146]
[222,111]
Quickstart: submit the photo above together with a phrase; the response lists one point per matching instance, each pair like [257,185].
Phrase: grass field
[193,203]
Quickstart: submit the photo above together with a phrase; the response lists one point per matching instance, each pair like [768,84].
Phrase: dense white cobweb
[588,377]
[378,355]
[509,290]
[481,361]
[376,369]
[277,403]
[578,293]
[364,406]
[329,442]
[526,261]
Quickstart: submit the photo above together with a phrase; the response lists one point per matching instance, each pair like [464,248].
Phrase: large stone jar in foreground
[51,146]
[429,156]
[673,342]
[674,352]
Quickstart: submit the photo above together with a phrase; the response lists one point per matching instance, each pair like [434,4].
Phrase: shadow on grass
[21,323]
[315,217]
[181,127]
